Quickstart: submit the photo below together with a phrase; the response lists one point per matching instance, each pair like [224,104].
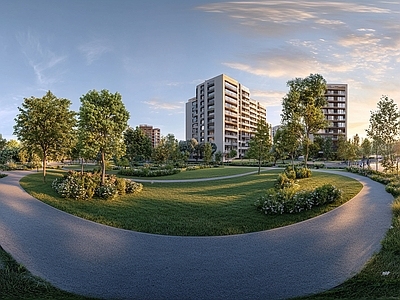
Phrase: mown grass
[196,174]
[208,208]
[371,283]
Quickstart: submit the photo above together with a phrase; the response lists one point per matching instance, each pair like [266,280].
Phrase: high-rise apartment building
[223,113]
[154,134]
[335,112]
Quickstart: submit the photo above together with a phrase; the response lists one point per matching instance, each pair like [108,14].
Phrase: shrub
[120,184]
[393,187]
[283,181]
[106,191]
[149,171]
[3,175]
[291,200]
[87,185]
[302,172]
[133,187]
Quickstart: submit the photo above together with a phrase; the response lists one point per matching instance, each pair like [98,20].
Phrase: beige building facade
[223,113]
[336,112]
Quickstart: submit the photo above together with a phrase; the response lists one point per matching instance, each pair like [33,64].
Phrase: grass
[208,208]
[201,173]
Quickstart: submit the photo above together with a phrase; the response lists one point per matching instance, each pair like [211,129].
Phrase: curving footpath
[96,260]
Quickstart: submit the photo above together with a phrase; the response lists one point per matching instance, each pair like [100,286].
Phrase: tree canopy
[138,144]
[46,126]
[384,129]
[102,121]
[260,144]
[302,107]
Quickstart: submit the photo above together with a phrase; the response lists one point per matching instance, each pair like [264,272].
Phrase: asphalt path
[96,260]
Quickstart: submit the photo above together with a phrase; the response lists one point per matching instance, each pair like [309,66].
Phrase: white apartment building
[335,112]
[223,113]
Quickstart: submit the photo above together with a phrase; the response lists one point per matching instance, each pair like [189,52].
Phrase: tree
[302,107]
[218,157]
[102,121]
[207,153]
[2,142]
[348,149]
[167,150]
[138,144]
[287,140]
[366,150]
[46,127]
[260,143]
[384,129]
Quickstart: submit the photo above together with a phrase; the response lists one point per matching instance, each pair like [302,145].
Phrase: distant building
[154,134]
[336,112]
[223,113]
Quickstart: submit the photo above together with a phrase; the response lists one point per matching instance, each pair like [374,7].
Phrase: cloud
[157,105]
[44,62]
[268,98]
[94,49]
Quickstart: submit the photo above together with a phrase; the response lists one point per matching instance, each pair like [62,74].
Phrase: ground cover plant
[205,208]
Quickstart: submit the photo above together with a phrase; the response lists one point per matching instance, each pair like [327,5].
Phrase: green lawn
[220,207]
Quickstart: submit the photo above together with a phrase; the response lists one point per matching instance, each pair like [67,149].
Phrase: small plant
[291,200]
[88,185]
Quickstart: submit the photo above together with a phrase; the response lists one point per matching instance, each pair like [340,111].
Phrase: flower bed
[291,200]
[77,186]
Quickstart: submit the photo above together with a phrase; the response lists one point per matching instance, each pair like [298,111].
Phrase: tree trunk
[103,168]
[259,166]
[44,167]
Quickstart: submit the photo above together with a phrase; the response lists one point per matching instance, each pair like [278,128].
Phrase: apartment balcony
[229,113]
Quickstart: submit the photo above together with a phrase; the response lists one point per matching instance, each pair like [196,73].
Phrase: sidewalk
[96,260]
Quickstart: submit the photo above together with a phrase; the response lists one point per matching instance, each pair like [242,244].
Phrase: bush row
[291,200]
[79,186]
[149,172]
[384,178]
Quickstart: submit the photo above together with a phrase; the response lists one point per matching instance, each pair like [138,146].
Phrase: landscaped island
[203,208]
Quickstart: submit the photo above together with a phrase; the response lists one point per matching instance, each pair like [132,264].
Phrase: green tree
[366,150]
[2,142]
[348,149]
[302,107]
[138,144]
[218,157]
[384,129]
[207,153]
[46,127]
[10,152]
[287,141]
[327,148]
[260,144]
[167,151]
[102,121]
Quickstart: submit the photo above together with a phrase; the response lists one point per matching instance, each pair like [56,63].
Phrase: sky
[155,52]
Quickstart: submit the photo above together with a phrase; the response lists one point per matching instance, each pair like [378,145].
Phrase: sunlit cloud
[157,105]
[94,49]
[268,98]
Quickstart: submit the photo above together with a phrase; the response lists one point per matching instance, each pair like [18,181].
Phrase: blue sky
[155,52]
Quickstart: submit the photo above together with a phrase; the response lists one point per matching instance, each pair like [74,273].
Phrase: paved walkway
[92,259]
